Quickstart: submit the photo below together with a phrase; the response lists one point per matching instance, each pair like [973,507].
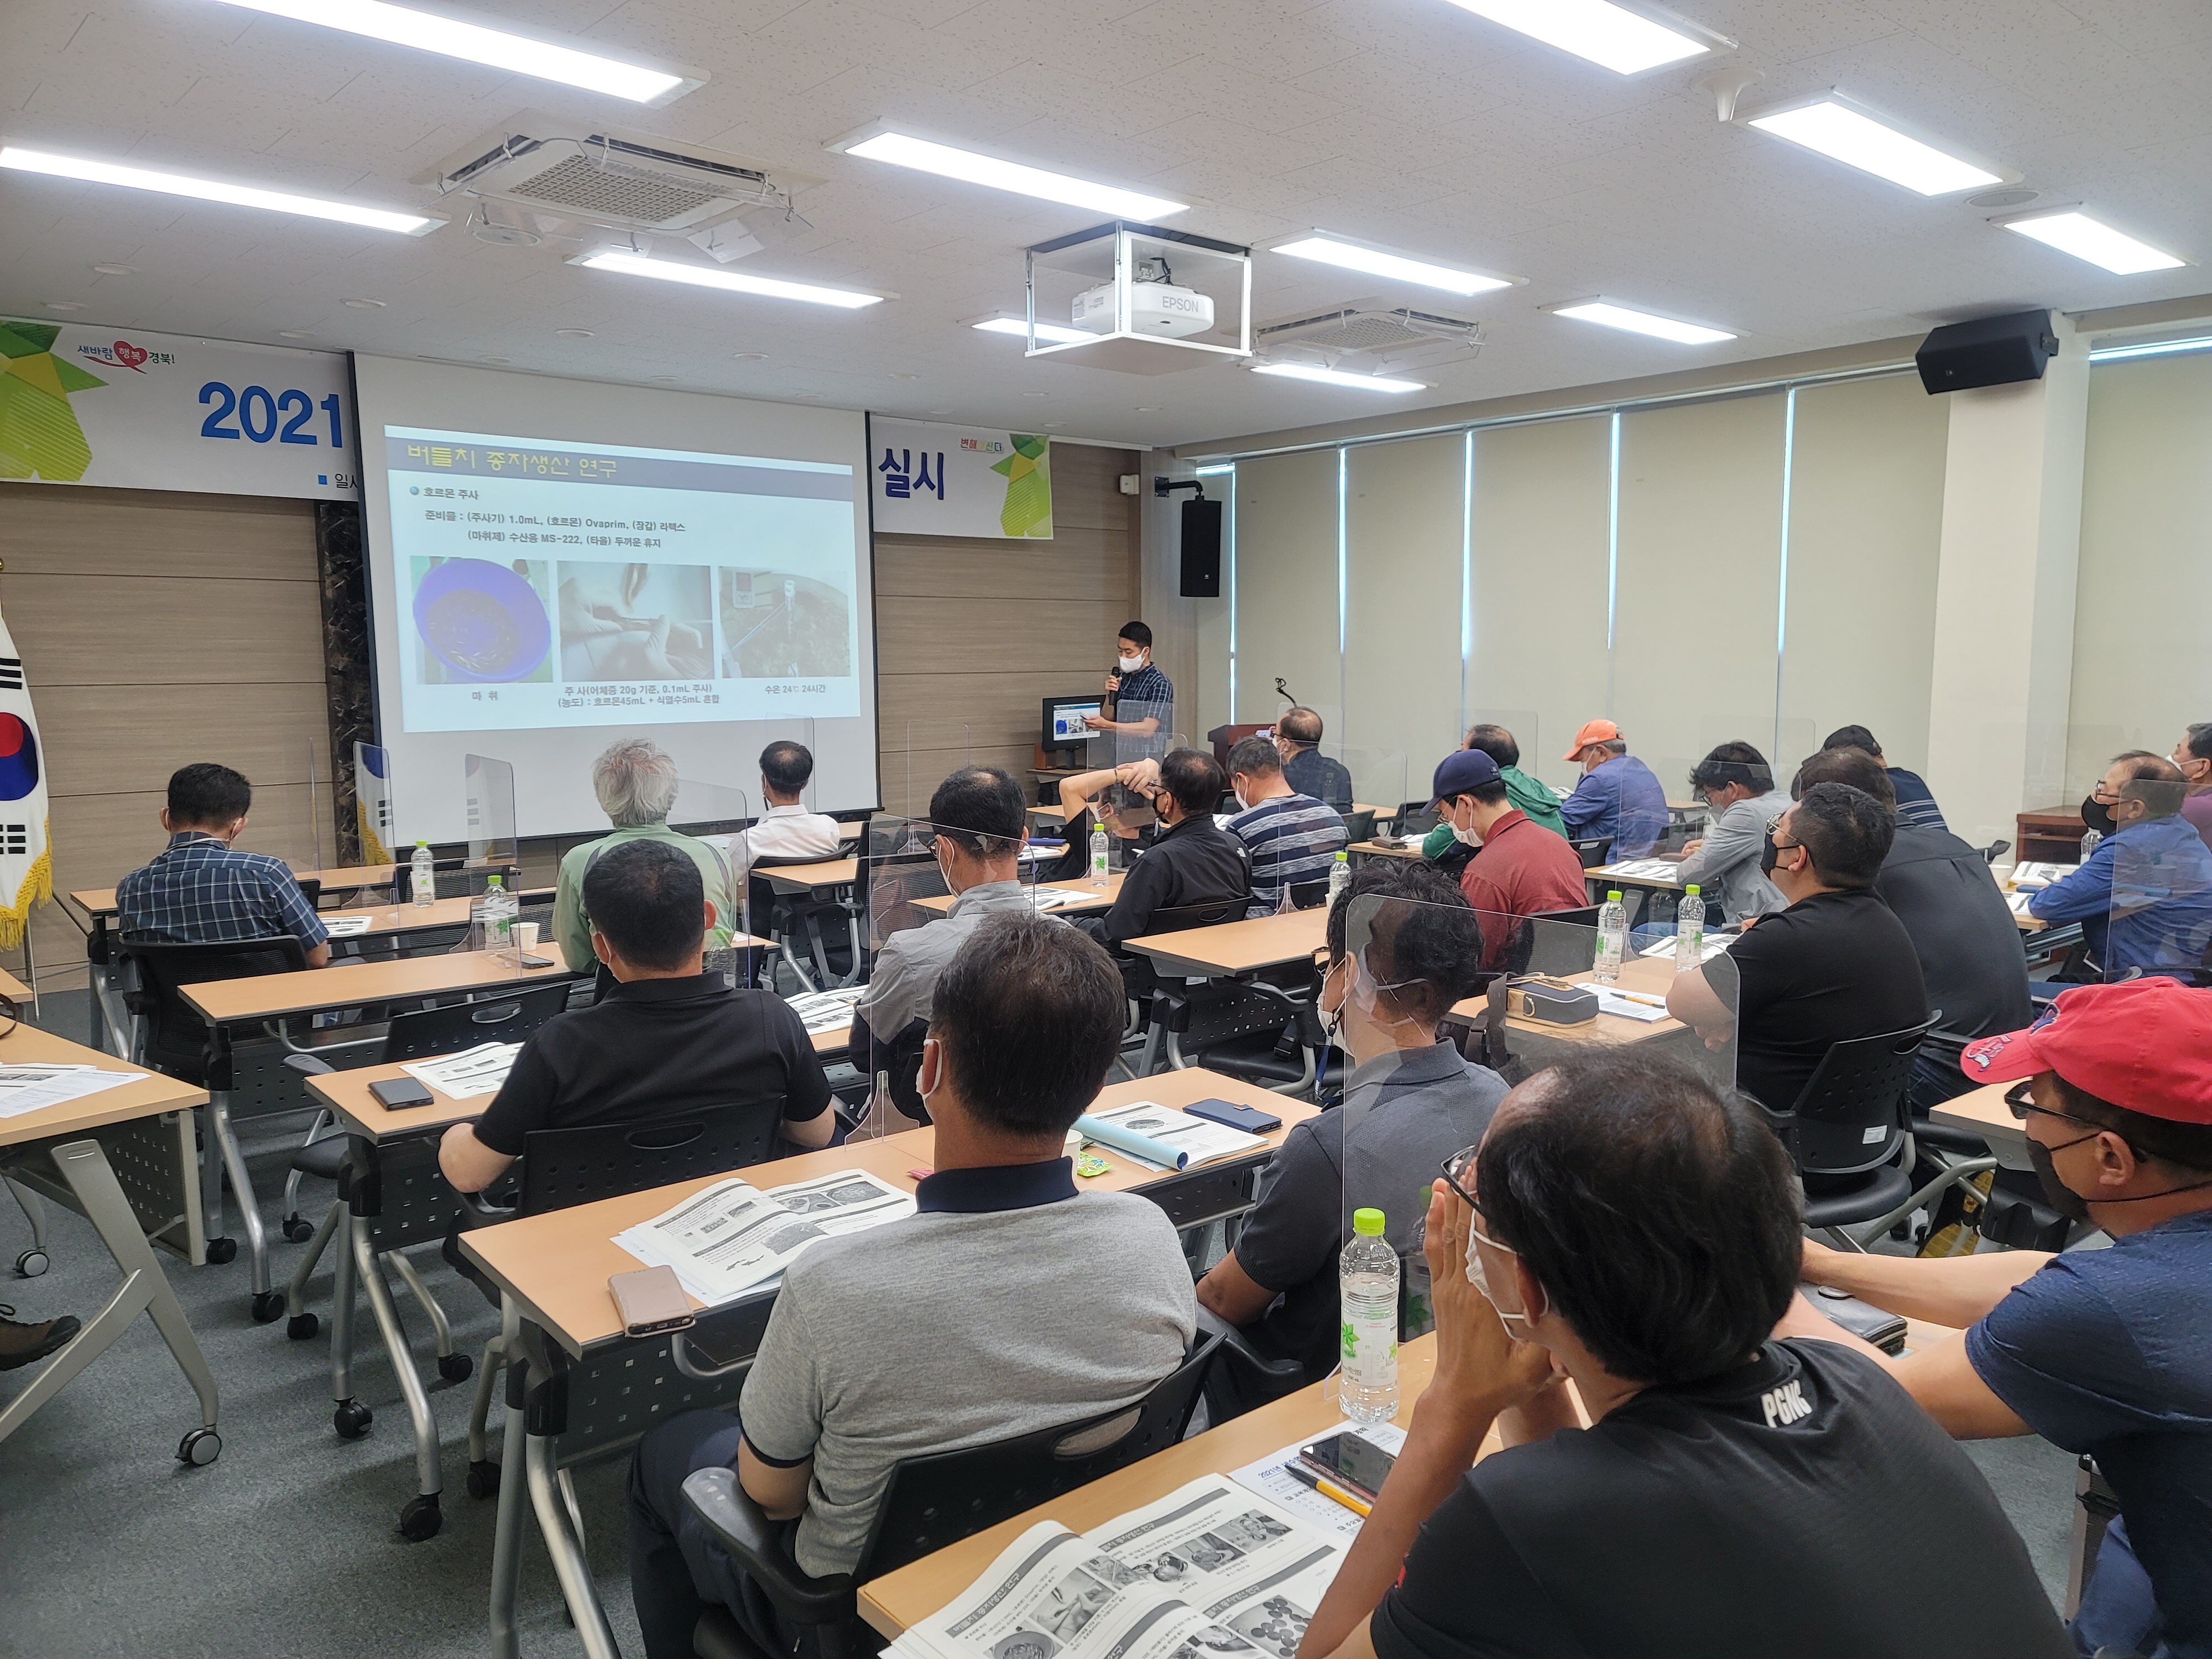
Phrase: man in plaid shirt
[201,891]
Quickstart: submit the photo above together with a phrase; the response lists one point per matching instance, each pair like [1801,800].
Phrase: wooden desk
[1375,849]
[1236,947]
[556,1265]
[552,1272]
[227,1002]
[804,877]
[1651,976]
[100,900]
[1984,1112]
[1093,898]
[1610,873]
[57,1151]
[13,987]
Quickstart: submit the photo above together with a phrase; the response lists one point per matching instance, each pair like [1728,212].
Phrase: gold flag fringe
[38,888]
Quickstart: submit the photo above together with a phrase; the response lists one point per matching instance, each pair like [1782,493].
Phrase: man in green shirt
[637,784]
[1534,797]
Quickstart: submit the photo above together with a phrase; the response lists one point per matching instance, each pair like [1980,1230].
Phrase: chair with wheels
[175,1040]
[1243,1379]
[560,1167]
[1848,1134]
[1594,851]
[930,1503]
[1139,980]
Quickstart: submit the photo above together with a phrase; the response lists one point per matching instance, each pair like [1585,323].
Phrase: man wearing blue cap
[1521,869]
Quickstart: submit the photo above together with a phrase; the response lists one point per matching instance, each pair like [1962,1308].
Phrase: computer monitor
[1063,719]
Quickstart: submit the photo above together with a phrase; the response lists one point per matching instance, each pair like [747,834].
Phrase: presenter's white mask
[1131,664]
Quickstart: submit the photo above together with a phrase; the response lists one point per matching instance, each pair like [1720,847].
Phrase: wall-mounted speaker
[1988,351]
[1201,550]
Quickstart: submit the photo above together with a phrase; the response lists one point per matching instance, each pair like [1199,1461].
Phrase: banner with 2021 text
[81,404]
[929,479]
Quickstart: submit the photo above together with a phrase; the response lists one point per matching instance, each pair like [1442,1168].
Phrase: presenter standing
[1140,699]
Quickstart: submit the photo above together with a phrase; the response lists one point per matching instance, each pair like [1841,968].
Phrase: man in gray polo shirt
[1011,1303]
[1403,947]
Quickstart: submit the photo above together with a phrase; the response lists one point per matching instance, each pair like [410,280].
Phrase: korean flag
[26,866]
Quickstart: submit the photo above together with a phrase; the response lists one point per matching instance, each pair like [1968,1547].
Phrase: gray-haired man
[635,781]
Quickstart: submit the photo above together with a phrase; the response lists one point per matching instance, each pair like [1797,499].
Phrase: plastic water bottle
[1612,938]
[423,879]
[2090,840]
[1099,846]
[1339,877]
[1367,1284]
[1689,929]
[499,909]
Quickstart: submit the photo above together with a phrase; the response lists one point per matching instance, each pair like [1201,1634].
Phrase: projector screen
[553,564]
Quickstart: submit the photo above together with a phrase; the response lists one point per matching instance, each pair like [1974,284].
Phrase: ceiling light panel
[1020,329]
[1849,136]
[1610,36]
[515,54]
[2075,232]
[903,150]
[1322,376]
[1642,322]
[211,190]
[1374,262]
[730,281]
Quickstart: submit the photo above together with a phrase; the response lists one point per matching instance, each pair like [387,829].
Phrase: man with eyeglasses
[2144,897]
[2105,1351]
[1735,1492]
[2192,758]
[1837,964]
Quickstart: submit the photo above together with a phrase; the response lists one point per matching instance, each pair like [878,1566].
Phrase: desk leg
[420,1519]
[85,1167]
[513,1491]
[570,1566]
[267,1306]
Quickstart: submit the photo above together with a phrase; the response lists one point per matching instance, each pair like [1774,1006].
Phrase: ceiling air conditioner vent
[605,176]
[1397,338]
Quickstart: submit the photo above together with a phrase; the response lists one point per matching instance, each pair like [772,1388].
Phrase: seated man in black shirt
[1732,1495]
[1971,963]
[1192,860]
[1835,964]
[669,1037]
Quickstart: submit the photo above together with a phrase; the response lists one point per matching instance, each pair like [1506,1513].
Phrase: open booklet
[1164,1136]
[730,1236]
[1211,1571]
[828,1011]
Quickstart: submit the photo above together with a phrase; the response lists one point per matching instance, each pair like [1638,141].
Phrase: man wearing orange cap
[2104,1351]
[1617,797]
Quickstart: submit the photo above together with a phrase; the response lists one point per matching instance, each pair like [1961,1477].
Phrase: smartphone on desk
[1229,1114]
[1354,1462]
[651,1300]
[394,1093]
[538,961]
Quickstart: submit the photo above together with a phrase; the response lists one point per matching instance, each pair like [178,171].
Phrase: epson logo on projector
[1159,308]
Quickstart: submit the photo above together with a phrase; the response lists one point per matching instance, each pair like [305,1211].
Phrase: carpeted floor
[287,1545]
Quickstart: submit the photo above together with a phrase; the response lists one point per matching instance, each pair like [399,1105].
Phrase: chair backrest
[942,1499]
[1179,918]
[1583,916]
[1852,1113]
[1359,826]
[1995,850]
[1220,1010]
[562,1167]
[1593,851]
[1417,817]
[464,1025]
[458,878]
[177,1039]
[1308,895]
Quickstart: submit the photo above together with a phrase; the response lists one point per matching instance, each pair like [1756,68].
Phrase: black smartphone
[1356,1464]
[394,1093]
[538,961]
[1231,1116]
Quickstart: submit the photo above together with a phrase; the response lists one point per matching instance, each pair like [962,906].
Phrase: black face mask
[2055,1193]
[1769,856]
[2098,815]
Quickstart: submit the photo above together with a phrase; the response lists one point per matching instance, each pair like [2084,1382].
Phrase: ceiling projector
[1162,310]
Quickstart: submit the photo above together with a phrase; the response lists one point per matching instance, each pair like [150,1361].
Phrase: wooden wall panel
[978,633]
[158,628]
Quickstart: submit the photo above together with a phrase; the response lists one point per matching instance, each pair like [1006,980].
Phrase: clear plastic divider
[717,815]
[377,820]
[800,731]
[933,750]
[2160,916]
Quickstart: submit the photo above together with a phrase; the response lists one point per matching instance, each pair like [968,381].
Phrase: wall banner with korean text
[935,480]
[85,405]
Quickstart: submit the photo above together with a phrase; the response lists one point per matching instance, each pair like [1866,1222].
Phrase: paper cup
[526,935]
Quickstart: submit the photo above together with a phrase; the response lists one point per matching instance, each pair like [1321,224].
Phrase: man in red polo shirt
[1520,868]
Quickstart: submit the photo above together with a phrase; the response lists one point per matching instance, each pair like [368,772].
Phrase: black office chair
[1250,1029]
[1308,895]
[1243,1379]
[1138,980]
[930,1503]
[785,917]
[175,1040]
[1359,826]
[1995,850]
[1848,1134]
[1417,817]
[460,878]
[1593,851]
[561,1167]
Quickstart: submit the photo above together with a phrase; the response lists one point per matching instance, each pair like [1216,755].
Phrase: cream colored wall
[1286,589]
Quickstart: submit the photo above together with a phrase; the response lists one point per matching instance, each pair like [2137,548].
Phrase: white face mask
[1477,1276]
[1131,664]
[1467,837]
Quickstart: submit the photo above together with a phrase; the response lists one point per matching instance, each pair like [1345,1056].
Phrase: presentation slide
[556,563]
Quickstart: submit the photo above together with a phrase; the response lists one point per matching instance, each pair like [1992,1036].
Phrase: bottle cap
[421,843]
[1613,897]
[1344,858]
[1693,888]
[1368,1224]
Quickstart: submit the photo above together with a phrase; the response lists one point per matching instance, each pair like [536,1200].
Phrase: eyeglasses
[1459,1176]
[2017,1099]
[1774,829]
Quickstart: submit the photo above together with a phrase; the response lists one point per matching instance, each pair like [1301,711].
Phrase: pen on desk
[1329,1490]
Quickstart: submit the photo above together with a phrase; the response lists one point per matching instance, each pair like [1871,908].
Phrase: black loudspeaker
[1988,351]
[1201,550]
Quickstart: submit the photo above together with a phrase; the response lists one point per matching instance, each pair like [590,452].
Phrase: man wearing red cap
[2104,1351]
[1618,795]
